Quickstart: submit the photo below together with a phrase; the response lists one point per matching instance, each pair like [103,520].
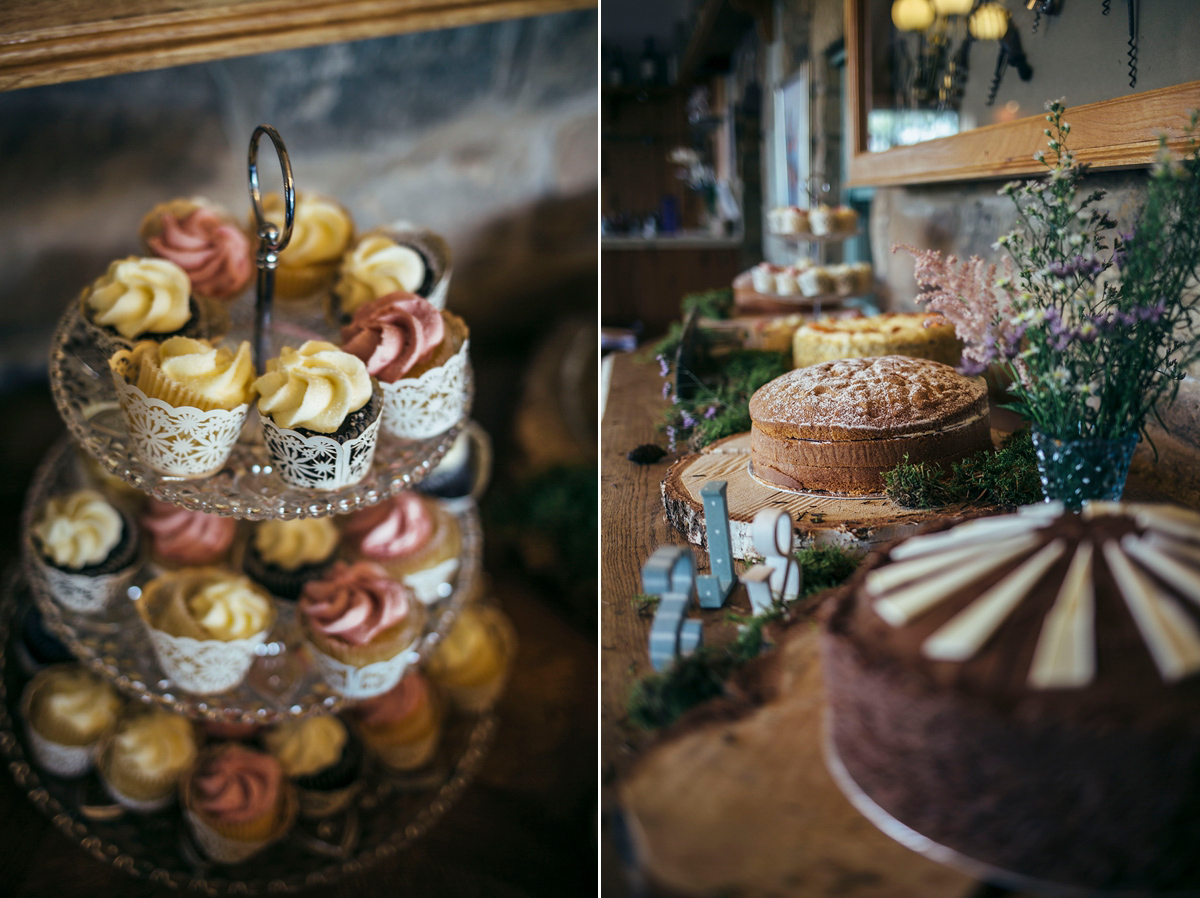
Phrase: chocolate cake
[1023,689]
[838,426]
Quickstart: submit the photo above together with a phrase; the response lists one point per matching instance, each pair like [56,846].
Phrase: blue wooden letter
[714,589]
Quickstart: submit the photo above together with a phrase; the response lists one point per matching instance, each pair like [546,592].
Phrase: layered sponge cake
[928,336]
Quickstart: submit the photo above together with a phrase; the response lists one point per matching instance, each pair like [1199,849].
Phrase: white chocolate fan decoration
[928,570]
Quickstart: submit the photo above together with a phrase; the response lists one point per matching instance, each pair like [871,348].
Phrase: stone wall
[485,133]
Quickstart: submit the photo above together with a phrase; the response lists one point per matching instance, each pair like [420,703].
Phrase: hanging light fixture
[912,15]
[989,22]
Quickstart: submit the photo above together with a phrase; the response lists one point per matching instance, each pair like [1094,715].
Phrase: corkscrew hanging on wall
[1135,15]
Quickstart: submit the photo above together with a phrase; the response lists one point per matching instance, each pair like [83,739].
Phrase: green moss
[710,304]
[646,605]
[720,406]
[1006,477]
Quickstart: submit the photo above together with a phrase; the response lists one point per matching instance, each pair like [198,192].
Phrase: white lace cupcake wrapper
[61,760]
[204,666]
[178,442]
[427,585]
[82,593]
[320,462]
[221,848]
[415,408]
[362,682]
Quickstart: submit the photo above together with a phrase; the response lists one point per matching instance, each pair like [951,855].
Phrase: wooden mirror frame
[1113,134]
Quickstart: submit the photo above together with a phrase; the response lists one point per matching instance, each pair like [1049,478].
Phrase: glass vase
[1081,468]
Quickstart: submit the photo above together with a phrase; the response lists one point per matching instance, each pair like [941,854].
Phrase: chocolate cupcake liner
[320,462]
[83,593]
[352,681]
[204,666]
[436,252]
[416,408]
[184,442]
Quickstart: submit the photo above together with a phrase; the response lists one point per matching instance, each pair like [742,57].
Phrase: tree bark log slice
[854,523]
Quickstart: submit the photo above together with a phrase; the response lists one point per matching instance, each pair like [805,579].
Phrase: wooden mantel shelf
[51,41]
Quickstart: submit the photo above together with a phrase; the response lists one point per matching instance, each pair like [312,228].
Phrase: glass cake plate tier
[247,486]
[282,681]
[390,812]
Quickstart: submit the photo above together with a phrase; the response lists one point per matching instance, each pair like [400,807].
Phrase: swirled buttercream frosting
[376,267]
[397,703]
[214,375]
[392,529]
[314,387]
[354,602]
[78,530]
[213,250]
[393,333]
[206,603]
[157,744]
[237,785]
[230,609]
[321,229]
[303,747]
[71,705]
[181,536]
[140,296]
[293,544]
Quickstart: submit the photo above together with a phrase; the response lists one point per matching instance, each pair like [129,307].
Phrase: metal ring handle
[268,232]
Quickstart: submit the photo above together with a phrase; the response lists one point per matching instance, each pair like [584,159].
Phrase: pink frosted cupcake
[362,627]
[419,356]
[182,538]
[413,537]
[204,242]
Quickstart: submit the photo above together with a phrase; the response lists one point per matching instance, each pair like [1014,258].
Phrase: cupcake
[419,356]
[179,537]
[283,555]
[402,727]
[67,711]
[471,663]
[455,475]
[141,299]
[388,261]
[184,402]
[321,758]
[762,277]
[320,412]
[416,540]
[205,624]
[321,232]
[237,802]
[86,550]
[141,761]
[785,281]
[362,628]
[205,242]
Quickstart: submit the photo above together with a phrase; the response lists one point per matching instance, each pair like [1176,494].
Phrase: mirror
[1072,54]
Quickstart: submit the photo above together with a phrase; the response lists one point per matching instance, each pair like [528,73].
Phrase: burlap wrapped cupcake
[184,401]
[205,625]
[321,231]
[67,711]
[141,761]
[399,258]
[419,355]
[362,628]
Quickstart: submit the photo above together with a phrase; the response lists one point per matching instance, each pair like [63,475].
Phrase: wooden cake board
[852,523]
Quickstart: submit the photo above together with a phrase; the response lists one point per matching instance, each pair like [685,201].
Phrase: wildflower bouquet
[1094,333]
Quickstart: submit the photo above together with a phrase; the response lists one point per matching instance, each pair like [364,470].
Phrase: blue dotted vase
[1082,468]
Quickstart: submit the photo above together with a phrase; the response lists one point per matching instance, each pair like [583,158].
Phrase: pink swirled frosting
[212,250]
[397,703]
[238,785]
[187,537]
[393,333]
[354,602]
[392,529]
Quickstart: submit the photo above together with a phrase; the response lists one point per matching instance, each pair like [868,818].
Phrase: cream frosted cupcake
[471,663]
[321,758]
[205,242]
[361,627]
[321,231]
[403,726]
[419,355]
[86,550]
[142,760]
[320,413]
[184,402]
[205,624]
[67,711]
[180,538]
[141,299]
[236,802]
[385,261]
[413,537]
[284,555]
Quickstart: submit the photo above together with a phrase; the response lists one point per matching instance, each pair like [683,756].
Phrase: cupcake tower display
[244,613]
